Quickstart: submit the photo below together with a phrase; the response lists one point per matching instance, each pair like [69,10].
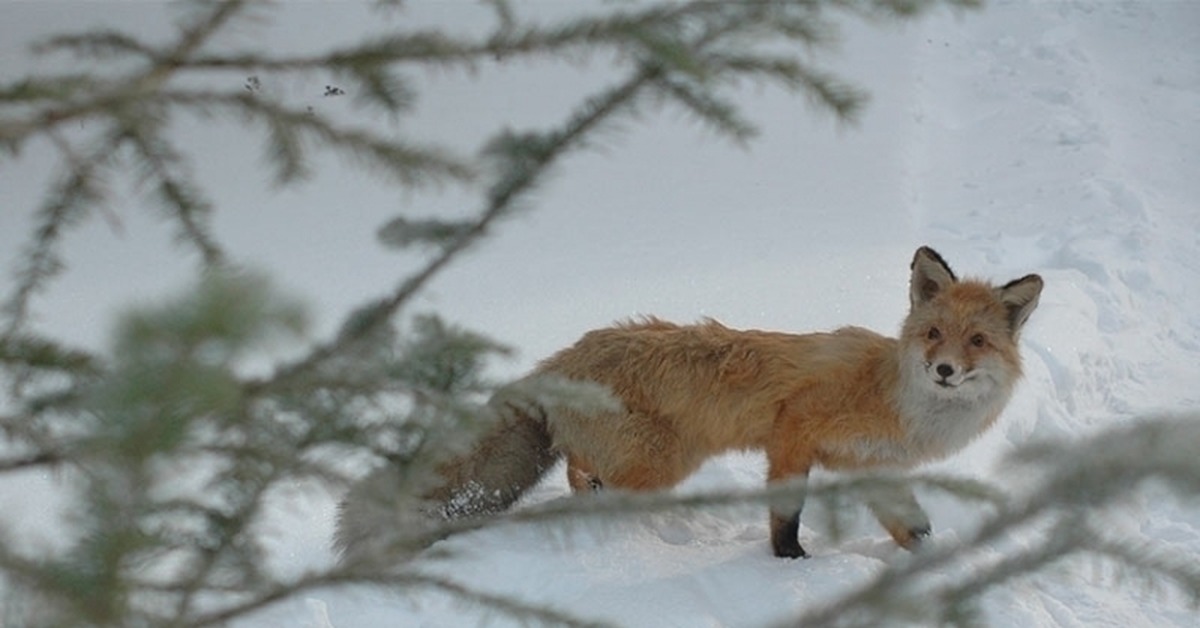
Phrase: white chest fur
[935,423]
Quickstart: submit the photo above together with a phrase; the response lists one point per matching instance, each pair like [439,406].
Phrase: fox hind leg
[785,527]
[648,456]
[581,477]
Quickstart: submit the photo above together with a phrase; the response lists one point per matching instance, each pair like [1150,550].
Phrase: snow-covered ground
[1061,138]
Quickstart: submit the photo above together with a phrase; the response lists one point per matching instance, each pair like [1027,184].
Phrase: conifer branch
[81,188]
[175,191]
[403,581]
[528,162]
[529,156]
[40,459]
[401,390]
[657,35]
[1080,479]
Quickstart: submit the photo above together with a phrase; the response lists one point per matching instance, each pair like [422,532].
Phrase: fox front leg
[901,515]
[785,533]
[785,522]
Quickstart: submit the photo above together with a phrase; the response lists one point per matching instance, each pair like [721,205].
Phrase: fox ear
[930,275]
[1020,297]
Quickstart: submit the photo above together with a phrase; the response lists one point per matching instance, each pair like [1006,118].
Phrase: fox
[846,400]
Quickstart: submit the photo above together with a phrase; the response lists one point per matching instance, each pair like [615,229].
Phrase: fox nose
[944,370]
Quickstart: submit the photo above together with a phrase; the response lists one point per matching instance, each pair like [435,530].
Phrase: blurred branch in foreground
[171,451]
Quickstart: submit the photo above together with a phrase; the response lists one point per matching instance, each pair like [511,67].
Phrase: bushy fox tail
[507,461]
[386,516]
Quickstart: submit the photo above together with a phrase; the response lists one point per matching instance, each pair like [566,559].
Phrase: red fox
[848,399]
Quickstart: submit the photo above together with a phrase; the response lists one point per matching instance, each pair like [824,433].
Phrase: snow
[1053,137]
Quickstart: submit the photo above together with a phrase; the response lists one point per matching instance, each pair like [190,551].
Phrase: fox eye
[978,340]
[934,334]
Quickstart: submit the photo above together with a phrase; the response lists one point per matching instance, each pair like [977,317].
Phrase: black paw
[789,550]
[920,532]
[785,530]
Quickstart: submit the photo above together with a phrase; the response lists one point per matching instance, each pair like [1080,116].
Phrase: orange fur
[849,399]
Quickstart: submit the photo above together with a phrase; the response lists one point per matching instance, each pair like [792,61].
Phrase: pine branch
[172,395]
[509,40]
[615,506]
[36,90]
[523,172]
[529,157]
[232,543]
[82,188]
[107,96]
[290,130]
[1154,563]
[1080,478]
[43,354]
[654,36]
[182,199]
[40,459]
[511,607]
[97,45]
[724,116]
[403,581]
[65,206]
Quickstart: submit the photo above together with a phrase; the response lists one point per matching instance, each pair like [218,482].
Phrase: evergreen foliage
[172,442]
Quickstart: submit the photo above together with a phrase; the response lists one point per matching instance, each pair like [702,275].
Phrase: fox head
[960,337]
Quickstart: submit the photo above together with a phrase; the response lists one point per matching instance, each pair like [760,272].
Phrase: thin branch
[176,192]
[1082,477]
[41,459]
[406,163]
[585,120]
[620,505]
[138,85]
[506,605]
[82,188]
[400,581]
